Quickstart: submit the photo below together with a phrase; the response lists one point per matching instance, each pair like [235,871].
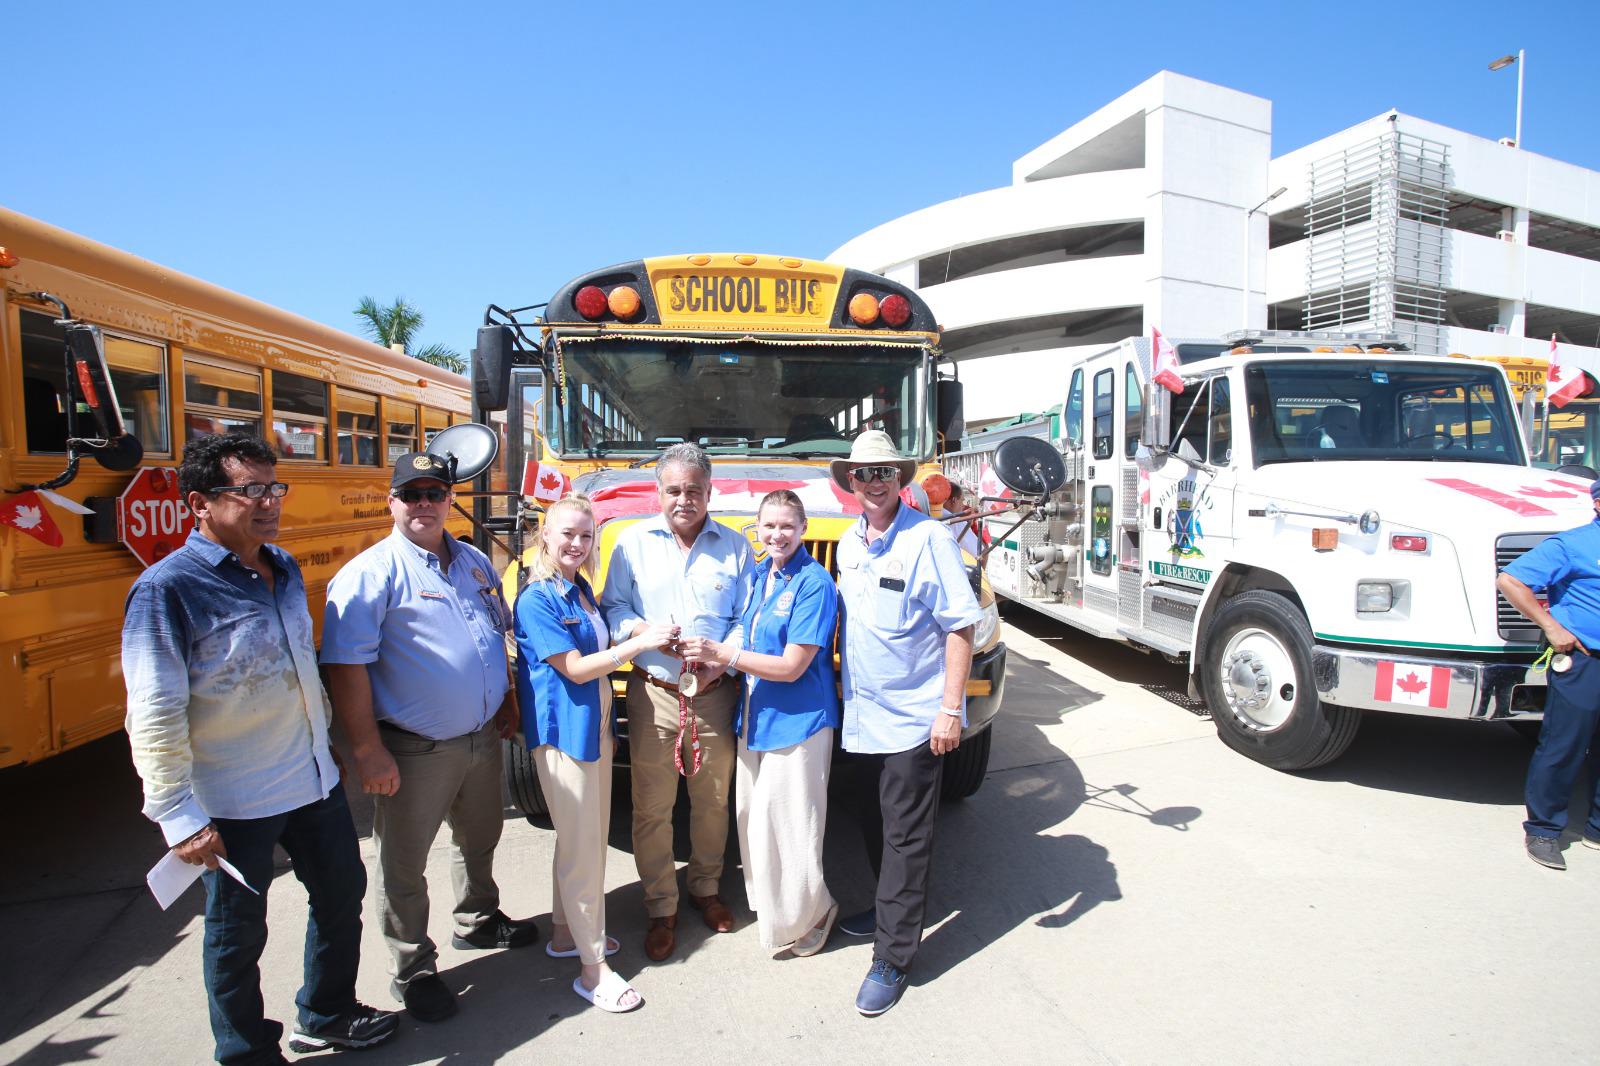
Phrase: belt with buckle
[668,686]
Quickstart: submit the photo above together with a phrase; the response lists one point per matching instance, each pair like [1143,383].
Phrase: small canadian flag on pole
[1164,360]
[25,511]
[544,482]
[1565,383]
[1412,683]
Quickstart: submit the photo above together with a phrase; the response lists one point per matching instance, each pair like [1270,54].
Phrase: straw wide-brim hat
[872,448]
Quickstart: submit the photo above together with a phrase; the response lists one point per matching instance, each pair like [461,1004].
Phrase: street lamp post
[1520,59]
[1248,215]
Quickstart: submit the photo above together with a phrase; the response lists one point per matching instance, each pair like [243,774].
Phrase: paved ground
[1123,889]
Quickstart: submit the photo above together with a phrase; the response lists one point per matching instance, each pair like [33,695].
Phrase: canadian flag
[25,511]
[1565,383]
[1165,362]
[1419,686]
[544,482]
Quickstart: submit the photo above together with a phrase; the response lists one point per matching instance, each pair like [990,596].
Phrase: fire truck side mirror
[950,411]
[491,368]
[1156,418]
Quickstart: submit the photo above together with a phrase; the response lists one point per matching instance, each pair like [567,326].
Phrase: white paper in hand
[171,877]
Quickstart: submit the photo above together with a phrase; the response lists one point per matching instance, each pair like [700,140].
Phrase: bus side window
[1104,385]
[358,428]
[220,399]
[1074,426]
[1133,408]
[402,422]
[138,372]
[299,416]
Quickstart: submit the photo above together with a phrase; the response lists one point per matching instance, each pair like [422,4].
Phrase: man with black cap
[413,640]
[1567,566]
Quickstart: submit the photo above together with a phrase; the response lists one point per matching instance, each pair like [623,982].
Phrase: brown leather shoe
[660,939]
[719,919]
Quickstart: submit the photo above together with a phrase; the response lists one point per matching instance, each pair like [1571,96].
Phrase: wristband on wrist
[615,657]
[952,713]
[733,660]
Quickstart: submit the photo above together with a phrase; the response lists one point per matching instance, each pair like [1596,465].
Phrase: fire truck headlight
[1374,597]
[983,633]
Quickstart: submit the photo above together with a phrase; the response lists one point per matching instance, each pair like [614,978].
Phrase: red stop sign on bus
[152,519]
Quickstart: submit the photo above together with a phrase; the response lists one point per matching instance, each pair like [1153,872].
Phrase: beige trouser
[458,781]
[579,796]
[782,811]
[652,730]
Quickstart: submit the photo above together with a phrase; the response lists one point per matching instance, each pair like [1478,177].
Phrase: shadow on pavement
[1471,762]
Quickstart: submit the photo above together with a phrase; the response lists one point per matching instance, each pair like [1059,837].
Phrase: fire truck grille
[1508,620]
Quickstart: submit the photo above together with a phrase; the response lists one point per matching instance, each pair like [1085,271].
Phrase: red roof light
[590,302]
[896,310]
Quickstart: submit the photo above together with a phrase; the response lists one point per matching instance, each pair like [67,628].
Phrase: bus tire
[1257,682]
[522,780]
[966,767]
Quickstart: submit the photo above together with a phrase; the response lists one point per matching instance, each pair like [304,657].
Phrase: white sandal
[607,995]
[612,947]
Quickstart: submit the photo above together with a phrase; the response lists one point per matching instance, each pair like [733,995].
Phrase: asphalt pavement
[1123,889]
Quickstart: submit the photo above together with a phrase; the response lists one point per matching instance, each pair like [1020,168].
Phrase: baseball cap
[1594,489]
[415,466]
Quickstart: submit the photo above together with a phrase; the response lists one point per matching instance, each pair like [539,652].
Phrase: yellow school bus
[1561,436]
[180,357]
[771,364]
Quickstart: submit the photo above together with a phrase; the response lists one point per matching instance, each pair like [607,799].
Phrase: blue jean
[1566,743]
[321,842]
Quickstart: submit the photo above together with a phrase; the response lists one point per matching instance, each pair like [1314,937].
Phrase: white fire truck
[1313,525]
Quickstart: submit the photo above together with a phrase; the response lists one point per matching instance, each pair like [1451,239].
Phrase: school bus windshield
[1325,410]
[635,395]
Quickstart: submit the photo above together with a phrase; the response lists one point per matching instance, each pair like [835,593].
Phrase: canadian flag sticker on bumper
[1413,684]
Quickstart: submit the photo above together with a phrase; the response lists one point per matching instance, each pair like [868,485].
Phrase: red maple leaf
[549,481]
[1411,683]
[1546,494]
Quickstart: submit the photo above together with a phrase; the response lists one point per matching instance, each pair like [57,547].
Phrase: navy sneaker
[1546,851]
[882,989]
[498,932]
[863,924]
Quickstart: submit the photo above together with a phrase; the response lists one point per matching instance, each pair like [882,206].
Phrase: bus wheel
[522,780]
[966,767]
[1258,685]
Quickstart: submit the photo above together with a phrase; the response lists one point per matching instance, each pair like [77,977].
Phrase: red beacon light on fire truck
[591,302]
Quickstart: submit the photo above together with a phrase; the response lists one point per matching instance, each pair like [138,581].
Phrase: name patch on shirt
[893,584]
[433,595]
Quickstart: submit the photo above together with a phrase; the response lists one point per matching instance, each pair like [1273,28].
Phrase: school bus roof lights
[8,258]
[590,302]
[896,310]
[864,309]
[624,302]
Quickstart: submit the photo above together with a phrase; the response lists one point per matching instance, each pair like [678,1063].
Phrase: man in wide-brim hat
[906,651]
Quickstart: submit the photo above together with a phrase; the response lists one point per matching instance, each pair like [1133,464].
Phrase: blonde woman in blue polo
[786,726]
[564,657]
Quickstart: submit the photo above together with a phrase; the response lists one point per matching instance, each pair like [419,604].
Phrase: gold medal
[688,684]
[1561,662]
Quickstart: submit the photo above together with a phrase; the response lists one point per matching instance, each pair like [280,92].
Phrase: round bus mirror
[122,453]
[470,448]
[1029,466]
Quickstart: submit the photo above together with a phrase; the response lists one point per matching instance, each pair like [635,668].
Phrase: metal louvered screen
[1508,620]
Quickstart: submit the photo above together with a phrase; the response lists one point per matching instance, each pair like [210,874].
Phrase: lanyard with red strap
[688,685]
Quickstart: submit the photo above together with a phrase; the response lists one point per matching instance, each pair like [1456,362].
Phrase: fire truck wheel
[1257,682]
[522,780]
[966,767]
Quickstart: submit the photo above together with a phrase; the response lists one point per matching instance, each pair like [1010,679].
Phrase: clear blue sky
[466,153]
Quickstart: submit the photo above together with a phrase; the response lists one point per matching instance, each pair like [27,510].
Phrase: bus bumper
[1475,689]
[989,666]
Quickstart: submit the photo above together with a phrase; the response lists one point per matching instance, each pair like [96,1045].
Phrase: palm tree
[395,326]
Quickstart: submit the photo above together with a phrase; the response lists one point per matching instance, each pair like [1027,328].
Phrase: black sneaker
[1591,841]
[498,932]
[359,1028]
[1546,851]
[428,998]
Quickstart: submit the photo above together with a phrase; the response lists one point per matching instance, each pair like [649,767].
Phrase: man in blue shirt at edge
[229,730]
[1567,564]
[413,639]
[909,613]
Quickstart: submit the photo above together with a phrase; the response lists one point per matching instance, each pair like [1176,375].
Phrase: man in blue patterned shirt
[229,729]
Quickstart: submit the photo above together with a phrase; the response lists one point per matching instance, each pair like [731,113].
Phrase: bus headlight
[1374,597]
[988,626]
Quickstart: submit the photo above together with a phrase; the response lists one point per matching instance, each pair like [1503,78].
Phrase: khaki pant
[579,796]
[455,781]
[652,730]
[782,812]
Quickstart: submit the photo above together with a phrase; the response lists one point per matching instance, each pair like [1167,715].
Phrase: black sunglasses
[254,491]
[868,474]
[412,496]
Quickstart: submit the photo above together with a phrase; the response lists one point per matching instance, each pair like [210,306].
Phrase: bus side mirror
[949,411]
[491,368]
[1157,420]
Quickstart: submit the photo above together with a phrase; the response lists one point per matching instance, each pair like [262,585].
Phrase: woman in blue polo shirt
[786,725]
[564,657]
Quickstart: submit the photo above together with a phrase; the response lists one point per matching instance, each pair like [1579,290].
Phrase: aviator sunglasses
[868,474]
[412,496]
